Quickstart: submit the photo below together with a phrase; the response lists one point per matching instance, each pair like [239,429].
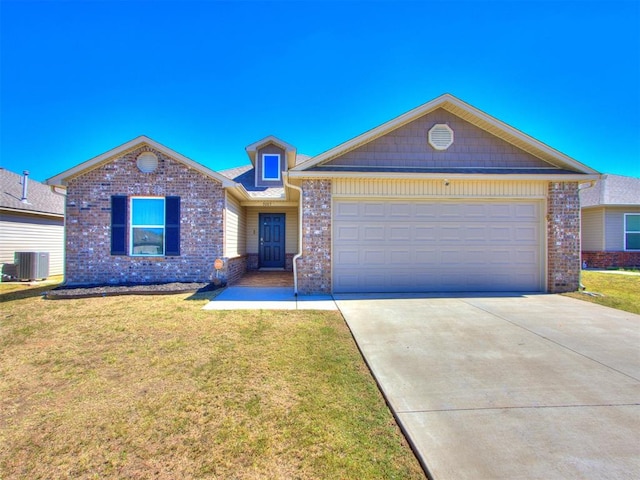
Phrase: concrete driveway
[509,387]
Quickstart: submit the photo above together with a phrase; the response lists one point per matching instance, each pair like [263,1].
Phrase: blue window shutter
[118,225]
[172,226]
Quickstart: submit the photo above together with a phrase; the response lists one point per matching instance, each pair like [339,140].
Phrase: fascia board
[459,176]
[269,139]
[36,213]
[238,190]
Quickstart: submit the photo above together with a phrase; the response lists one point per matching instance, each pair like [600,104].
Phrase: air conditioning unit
[32,265]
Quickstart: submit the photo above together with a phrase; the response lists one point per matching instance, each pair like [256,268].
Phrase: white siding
[592,230]
[437,188]
[27,233]
[235,222]
[291,220]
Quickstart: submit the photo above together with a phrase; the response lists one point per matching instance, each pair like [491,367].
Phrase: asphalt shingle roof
[246,177]
[40,197]
[612,190]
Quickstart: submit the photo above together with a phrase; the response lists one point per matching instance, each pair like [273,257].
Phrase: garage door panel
[451,233]
[400,210]
[526,212]
[347,209]
[425,257]
[400,233]
[526,234]
[500,234]
[401,257]
[348,257]
[425,210]
[373,233]
[348,233]
[424,233]
[475,234]
[413,246]
[373,210]
[373,256]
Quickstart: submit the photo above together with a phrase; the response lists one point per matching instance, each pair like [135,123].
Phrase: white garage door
[447,246]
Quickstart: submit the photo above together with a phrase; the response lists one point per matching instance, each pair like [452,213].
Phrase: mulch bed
[89,291]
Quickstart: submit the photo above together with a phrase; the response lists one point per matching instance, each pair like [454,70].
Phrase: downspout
[299,254]
[583,186]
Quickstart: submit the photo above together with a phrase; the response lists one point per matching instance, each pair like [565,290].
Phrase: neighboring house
[611,222]
[442,198]
[31,219]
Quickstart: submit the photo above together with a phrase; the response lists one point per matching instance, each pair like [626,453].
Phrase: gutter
[285,179]
[579,177]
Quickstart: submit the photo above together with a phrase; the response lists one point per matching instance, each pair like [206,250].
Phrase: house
[31,219]
[441,198]
[611,223]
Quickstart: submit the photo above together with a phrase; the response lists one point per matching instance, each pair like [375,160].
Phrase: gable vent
[440,136]
[147,162]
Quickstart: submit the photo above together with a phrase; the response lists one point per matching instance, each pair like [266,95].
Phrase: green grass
[614,290]
[155,387]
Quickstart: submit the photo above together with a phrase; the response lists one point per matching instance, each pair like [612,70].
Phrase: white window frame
[627,232]
[268,179]
[132,226]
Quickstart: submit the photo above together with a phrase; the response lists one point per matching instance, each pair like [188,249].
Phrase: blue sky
[208,78]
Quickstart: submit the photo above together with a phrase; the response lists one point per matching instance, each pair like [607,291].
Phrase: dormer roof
[289,150]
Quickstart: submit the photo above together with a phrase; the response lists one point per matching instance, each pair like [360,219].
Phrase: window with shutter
[172,226]
[118,225]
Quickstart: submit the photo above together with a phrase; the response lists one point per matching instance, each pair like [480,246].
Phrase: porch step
[264,278]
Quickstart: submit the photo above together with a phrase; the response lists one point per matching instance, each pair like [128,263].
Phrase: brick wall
[234,269]
[563,237]
[314,267]
[88,231]
[253,261]
[611,259]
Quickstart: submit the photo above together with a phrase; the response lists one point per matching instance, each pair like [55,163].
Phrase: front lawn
[155,387]
[615,290]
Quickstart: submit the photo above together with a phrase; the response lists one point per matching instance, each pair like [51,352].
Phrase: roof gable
[64,177]
[40,198]
[539,155]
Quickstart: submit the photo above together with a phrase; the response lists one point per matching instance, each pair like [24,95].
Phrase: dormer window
[271,166]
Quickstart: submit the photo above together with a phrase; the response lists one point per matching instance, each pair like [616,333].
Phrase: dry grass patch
[155,387]
[614,290]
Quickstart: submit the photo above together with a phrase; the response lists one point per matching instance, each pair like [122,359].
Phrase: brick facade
[89,258]
[563,237]
[314,267]
[253,261]
[611,259]
[234,269]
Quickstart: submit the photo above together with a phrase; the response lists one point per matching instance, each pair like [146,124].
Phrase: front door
[272,235]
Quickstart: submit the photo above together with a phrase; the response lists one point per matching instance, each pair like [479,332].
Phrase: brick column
[563,237]
[314,267]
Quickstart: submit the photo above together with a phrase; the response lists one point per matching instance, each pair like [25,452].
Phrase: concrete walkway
[519,387]
[268,298]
